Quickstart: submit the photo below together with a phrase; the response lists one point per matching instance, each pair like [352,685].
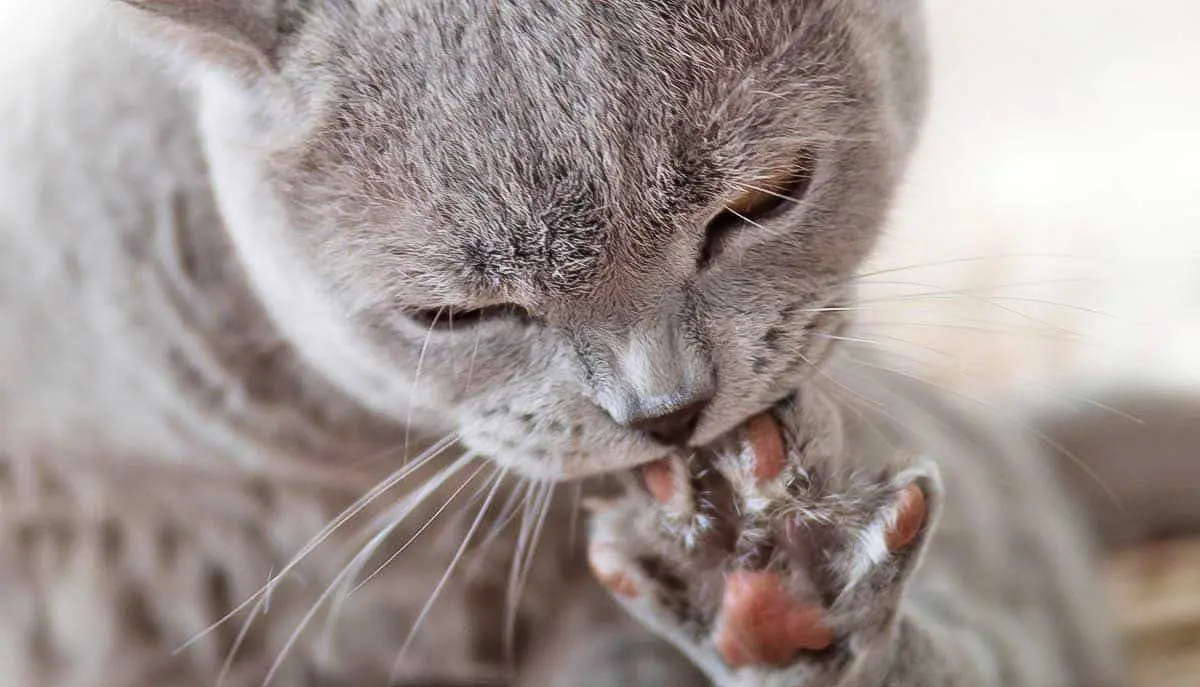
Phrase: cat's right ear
[235,34]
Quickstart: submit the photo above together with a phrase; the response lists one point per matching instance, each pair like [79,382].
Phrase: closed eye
[755,203]
[450,318]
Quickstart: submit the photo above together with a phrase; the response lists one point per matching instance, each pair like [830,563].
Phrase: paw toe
[606,565]
[766,441]
[910,518]
[660,478]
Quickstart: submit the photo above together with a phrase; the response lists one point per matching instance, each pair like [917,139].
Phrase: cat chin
[572,470]
[566,467]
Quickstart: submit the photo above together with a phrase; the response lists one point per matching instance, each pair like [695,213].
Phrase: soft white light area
[1065,128]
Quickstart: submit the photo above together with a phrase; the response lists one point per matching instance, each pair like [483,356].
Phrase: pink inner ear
[910,518]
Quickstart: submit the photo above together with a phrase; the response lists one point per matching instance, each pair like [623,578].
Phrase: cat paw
[766,562]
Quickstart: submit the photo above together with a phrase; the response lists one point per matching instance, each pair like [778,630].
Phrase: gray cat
[255,254]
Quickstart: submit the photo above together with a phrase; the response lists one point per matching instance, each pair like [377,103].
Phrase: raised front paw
[770,561]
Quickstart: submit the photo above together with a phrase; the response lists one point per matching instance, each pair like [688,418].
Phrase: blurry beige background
[1060,175]
[1064,128]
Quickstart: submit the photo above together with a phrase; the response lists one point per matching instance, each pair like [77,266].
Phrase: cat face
[580,232]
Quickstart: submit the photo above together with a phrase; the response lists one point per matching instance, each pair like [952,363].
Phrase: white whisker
[1083,466]
[834,308]
[744,218]
[449,570]
[993,287]
[990,301]
[388,521]
[541,508]
[855,339]
[508,511]
[858,399]
[816,368]
[1059,304]
[975,294]
[227,664]
[964,367]
[416,380]
[966,259]
[510,611]
[853,404]
[397,515]
[961,324]
[334,525]
[416,535]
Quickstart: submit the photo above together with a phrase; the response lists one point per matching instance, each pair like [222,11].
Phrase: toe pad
[910,518]
[761,624]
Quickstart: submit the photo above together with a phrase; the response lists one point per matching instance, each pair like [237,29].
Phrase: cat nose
[674,427]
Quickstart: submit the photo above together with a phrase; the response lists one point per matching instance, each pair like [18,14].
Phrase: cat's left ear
[241,34]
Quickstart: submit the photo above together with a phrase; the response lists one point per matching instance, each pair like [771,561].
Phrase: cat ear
[231,33]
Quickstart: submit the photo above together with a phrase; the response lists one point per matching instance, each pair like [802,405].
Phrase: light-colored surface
[1071,130]
[1068,130]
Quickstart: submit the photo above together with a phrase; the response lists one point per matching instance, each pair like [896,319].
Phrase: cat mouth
[728,435]
[730,441]
[754,452]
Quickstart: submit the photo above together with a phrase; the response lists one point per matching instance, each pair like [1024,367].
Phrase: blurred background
[1049,233]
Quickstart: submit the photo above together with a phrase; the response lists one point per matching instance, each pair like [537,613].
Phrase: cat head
[577,232]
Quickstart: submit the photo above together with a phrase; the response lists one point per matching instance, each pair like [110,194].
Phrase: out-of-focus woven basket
[1156,590]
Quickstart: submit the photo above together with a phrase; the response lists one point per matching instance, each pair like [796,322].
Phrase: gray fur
[417,155]
[208,262]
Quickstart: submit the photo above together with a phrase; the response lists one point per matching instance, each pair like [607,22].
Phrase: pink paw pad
[910,518]
[762,624]
[659,478]
[766,442]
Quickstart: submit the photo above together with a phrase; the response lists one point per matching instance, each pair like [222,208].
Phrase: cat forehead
[535,90]
[536,140]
